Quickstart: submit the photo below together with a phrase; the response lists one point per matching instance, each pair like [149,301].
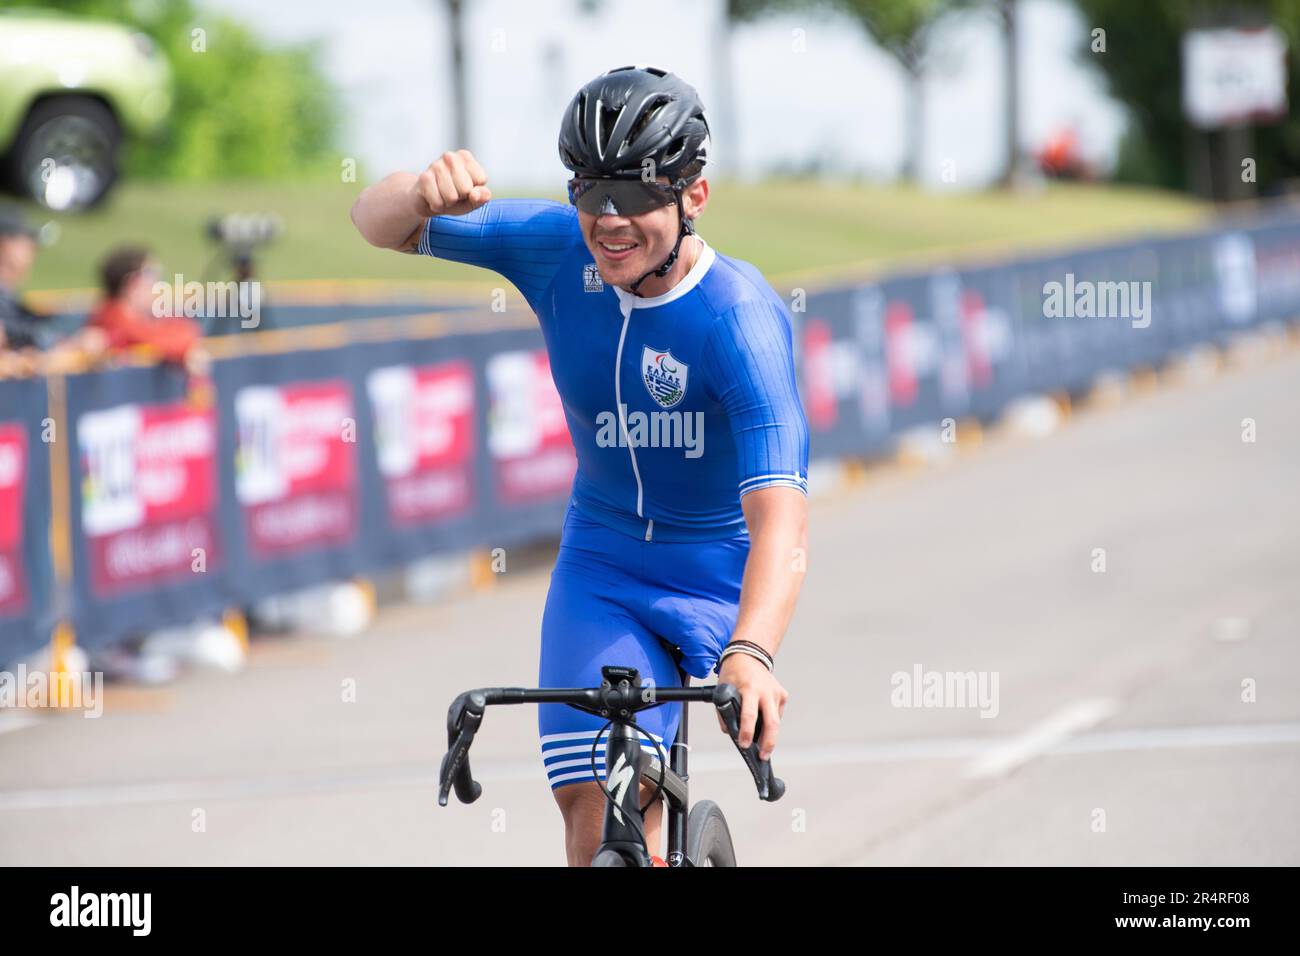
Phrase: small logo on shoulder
[591,280]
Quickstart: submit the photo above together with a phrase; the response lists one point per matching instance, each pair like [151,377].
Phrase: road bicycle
[697,836]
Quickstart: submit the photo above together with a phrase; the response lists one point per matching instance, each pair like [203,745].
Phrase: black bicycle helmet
[632,114]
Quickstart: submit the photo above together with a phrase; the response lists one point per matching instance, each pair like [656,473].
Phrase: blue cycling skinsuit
[678,405]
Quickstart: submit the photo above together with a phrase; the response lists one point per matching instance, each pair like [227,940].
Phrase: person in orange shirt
[127,318]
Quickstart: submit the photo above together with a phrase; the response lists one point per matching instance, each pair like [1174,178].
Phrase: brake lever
[727,699]
[464,718]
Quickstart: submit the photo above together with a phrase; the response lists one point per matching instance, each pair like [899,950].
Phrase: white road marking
[1173,738]
[1231,629]
[1019,750]
[725,761]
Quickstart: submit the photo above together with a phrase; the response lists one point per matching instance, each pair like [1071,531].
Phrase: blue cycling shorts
[616,599]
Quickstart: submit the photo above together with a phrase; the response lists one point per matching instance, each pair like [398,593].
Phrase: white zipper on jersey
[622,417]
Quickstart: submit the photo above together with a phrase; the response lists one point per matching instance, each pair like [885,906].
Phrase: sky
[808,89]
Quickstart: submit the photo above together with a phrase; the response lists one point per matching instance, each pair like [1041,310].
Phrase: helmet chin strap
[685,227]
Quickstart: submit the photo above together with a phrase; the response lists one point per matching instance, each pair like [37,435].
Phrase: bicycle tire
[608,858]
[708,839]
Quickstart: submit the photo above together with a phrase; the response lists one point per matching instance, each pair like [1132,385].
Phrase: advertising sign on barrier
[528,437]
[424,439]
[148,481]
[26,570]
[295,465]
[13,479]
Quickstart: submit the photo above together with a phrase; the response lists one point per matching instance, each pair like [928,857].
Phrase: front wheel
[608,858]
[708,841]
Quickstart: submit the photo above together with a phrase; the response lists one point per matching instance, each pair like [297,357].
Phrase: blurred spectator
[1061,158]
[126,315]
[29,342]
[20,328]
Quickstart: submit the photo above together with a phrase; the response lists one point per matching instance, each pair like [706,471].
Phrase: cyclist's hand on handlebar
[759,691]
[453,185]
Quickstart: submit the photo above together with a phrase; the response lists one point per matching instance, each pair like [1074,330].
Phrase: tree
[903,29]
[734,13]
[722,109]
[1142,68]
[1006,11]
[459,96]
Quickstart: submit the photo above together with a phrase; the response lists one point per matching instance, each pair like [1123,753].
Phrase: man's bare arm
[778,528]
[391,213]
[774,571]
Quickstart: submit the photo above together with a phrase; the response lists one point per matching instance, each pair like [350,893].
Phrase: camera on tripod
[238,236]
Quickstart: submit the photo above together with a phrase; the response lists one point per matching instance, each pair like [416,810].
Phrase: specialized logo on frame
[664,375]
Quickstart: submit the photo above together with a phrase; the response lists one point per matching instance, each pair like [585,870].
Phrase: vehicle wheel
[708,841]
[65,155]
[608,858]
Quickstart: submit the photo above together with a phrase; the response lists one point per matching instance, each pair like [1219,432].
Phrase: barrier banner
[424,439]
[528,438]
[1186,310]
[993,362]
[148,477]
[1276,270]
[288,441]
[420,408]
[26,574]
[840,366]
[495,464]
[13,484]
[295,465]
[143,468]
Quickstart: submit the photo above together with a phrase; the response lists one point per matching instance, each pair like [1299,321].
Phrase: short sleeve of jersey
[749,364]
[523,240]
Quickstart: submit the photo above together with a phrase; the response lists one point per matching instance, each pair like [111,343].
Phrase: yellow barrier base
[481,576]
[367,588]
[1143,380]
[970,434]
[1063,404]
[62,642]
[235,622]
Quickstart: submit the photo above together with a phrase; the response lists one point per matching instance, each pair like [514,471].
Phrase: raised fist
[453,185]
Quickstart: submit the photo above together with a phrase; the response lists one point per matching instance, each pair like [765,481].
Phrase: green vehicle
[70,90]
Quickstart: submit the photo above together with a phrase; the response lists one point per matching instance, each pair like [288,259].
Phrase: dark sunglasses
[618,197]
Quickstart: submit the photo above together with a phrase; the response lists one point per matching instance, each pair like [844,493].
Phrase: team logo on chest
[664,376]
[591,280]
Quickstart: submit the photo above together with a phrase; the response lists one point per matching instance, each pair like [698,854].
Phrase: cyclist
[684,539]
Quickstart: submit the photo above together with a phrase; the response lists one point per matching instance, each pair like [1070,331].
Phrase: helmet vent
[674,151]
[580,117]
[647,116]
[606,118]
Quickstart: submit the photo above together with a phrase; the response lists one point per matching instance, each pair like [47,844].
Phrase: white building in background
[808,90]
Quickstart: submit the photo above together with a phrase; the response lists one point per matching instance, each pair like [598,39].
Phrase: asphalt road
[1147,714]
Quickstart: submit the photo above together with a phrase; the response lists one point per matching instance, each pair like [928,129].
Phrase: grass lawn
[794,231]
